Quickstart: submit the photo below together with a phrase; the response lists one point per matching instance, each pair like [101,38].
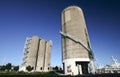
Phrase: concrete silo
[37,53]
[76,49]
[33,49]
[41,52]
[43,60]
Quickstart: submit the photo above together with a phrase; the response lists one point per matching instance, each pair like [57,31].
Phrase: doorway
[82,67]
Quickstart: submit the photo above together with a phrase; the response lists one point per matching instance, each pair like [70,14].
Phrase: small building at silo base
[76,66]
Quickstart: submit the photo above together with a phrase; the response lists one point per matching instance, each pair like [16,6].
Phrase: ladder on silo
[78,41]
[83,45]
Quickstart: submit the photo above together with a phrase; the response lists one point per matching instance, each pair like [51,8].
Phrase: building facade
[109,68]
[76,48]
[36,54]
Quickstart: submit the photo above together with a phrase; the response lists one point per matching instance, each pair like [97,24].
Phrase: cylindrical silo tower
[76,50]
[37,53]
[42,49]
[33,50]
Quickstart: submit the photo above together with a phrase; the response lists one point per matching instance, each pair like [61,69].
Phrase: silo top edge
[35,36]
[70,7]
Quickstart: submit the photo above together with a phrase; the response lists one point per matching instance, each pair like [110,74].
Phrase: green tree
[16,68]
[3,68]
[8,66]
[29,68]
[56,68]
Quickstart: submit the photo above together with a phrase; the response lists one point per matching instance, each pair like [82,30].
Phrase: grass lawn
[52,74]
[36,74]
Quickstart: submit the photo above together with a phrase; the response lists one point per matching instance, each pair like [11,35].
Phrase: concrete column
[79,69]
[40,61]
[33,51]
[47,56]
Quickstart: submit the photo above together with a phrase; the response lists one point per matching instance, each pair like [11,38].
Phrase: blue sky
[24,18]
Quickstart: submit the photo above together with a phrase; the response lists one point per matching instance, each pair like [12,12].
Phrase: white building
[113,68]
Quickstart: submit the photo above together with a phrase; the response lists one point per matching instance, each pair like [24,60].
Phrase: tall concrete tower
[76,49]
[36,54]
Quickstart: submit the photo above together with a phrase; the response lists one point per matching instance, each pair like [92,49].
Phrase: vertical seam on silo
[37,53]
[65,38]
[44,56]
